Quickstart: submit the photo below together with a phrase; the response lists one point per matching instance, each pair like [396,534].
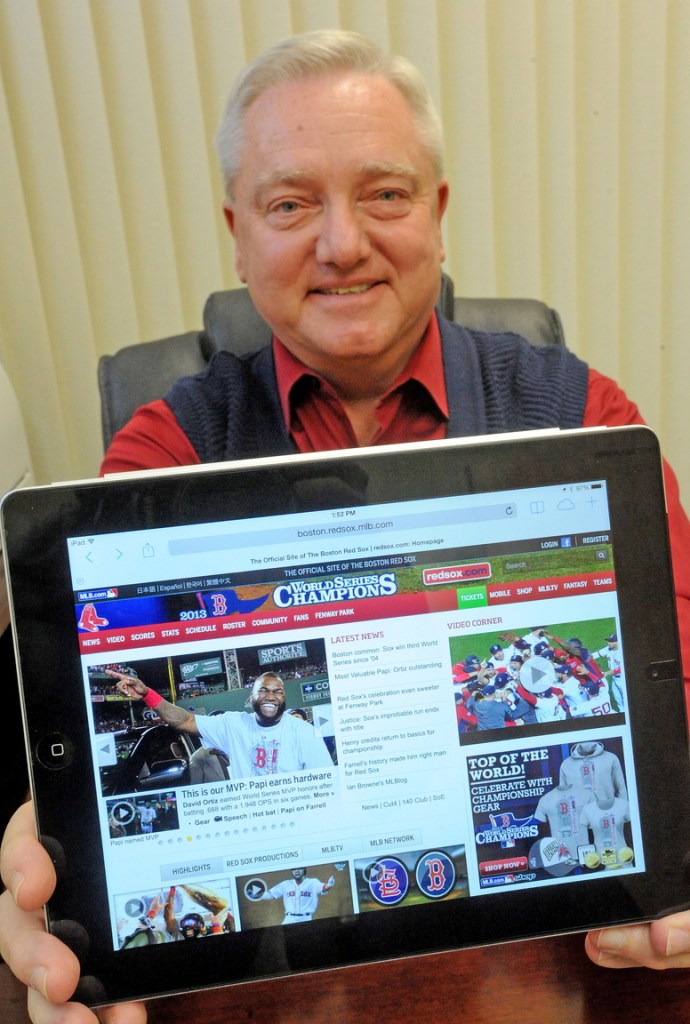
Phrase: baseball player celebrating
[300,895]
[264,741]
[614,656]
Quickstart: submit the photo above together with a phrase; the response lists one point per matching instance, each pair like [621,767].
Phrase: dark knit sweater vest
[494,383]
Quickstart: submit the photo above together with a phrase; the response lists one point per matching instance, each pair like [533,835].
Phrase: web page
[454,719]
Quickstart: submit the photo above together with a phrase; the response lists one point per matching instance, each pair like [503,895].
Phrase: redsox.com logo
[340,588]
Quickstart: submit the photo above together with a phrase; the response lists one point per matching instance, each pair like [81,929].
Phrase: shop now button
[502,867]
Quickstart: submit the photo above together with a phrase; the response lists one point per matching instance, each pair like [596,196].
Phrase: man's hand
[169,714]
[659,945]
[38,959]
[129,686]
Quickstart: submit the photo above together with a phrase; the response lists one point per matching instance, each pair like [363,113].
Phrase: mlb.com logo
[97,595]
[456,573]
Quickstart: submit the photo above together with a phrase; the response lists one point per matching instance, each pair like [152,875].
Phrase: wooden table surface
[546,981]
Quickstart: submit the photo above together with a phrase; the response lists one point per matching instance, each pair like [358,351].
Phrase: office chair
[143,372]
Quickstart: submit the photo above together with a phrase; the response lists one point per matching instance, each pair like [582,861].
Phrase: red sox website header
[454,719]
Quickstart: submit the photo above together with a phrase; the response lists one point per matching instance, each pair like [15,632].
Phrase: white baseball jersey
[577,700]
[583,705]
[299,901]
[548,709]
[147,816]
[254,749]
[615,660]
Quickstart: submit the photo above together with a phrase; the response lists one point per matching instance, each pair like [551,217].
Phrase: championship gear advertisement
[544,812]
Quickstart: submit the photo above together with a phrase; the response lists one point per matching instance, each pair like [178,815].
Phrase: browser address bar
[362,527]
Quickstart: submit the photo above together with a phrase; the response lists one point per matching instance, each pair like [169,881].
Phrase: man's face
[336,220]
[298,874]
[268,700]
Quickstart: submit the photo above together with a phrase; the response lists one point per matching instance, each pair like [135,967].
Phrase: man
[614,656]
[514,666]
[331,153]
[147,816]
[547,703]
[575,693]
[521,712]
[300,895]
[264,741]
[497,654]
[470,670]
[489,712]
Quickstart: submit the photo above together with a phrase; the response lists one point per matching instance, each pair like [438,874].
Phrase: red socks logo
[90,620]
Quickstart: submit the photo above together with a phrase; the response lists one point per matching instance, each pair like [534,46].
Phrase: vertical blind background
[568,150]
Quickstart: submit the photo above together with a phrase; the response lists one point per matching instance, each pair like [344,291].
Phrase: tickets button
[55,751]
[471,596]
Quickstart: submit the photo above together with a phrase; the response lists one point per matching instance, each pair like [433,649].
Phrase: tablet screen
[395,705]
[451,696]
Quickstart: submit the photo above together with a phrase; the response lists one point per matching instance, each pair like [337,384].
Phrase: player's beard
[267,721]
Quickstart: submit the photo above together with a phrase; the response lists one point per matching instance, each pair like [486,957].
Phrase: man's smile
[355,289]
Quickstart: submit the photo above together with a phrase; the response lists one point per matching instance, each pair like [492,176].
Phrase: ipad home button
[55,750]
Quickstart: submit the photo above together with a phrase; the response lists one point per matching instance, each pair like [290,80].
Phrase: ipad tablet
[295,714]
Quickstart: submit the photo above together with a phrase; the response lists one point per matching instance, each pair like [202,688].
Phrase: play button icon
[537,674]
[123,812]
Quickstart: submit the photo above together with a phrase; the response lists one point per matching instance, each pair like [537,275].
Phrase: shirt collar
[425,367]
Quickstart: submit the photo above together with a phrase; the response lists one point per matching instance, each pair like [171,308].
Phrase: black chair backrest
[143,372]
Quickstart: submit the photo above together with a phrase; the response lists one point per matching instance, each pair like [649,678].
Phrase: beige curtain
[568,150]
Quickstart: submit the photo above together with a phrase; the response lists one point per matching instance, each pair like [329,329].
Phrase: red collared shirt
[153,439]
[414,408]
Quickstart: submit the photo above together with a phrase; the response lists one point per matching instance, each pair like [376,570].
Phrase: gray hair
[316,53]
